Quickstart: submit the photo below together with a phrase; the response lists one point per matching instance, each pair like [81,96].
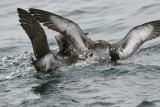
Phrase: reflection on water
[130,83]
[47,87]
[147,104]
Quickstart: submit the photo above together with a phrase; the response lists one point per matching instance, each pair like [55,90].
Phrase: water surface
[130,83]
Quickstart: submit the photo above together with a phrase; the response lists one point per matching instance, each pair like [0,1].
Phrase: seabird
[74,43]
[83,45]
[45,59]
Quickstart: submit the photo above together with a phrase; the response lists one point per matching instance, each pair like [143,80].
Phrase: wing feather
[136,37]
[71,31]
[35,32]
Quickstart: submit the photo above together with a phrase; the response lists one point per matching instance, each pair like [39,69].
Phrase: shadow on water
[102,104]
[147,104]
[48,87]
[49,83]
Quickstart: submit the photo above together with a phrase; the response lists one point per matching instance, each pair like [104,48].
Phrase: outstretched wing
[71,31]
[135,38]
[35,32]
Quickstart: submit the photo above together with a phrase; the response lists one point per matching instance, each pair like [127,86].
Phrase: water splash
[15,65]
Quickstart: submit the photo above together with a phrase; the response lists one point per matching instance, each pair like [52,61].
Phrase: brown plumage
[126,47]
[65,49]
[74,37]
[35,32]
[45,60]
[121,50]
[70,30]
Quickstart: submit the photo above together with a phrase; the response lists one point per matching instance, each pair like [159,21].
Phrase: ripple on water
[149,8]
[129,83]
[101,104]
[15,65]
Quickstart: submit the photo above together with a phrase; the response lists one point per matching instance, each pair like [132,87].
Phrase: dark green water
[134,82]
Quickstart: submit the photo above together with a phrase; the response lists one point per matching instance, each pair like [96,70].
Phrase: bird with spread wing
[75,44]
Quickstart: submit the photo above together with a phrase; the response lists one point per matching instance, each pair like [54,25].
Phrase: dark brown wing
[71,31]
[35,32]
[65,49]
[136,37]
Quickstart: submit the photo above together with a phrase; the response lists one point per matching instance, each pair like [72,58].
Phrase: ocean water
[134,82]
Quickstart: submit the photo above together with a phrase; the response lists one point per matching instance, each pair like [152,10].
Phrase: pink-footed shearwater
[45,59]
